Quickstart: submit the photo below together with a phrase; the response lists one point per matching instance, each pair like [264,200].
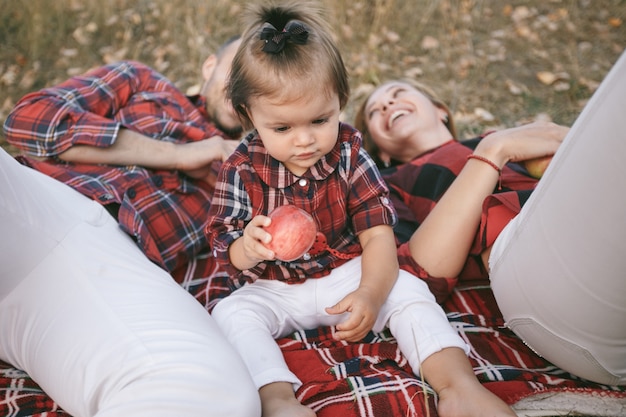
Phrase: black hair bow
[275,40]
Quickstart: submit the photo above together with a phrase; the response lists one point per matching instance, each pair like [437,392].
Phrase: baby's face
[297,132]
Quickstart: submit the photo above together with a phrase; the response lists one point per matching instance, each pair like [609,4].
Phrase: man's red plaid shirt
[164,211]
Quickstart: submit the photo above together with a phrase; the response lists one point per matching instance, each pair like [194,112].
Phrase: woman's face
[397,115]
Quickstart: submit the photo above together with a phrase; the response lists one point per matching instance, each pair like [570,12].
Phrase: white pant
[99,327]
[254,315]
[558,270]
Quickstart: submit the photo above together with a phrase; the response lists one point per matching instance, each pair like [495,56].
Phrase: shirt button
[385,200]
[158,181]
[131,193]
[105,197]
[306,257]
[302,182]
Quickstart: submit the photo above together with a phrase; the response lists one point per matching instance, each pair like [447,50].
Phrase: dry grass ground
[497,63]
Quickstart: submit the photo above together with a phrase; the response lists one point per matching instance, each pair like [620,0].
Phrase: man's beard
[232,132]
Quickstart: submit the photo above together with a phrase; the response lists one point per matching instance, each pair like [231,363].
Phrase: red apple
[293,232]
[537,166]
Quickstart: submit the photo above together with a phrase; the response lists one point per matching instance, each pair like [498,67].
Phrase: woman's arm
[442,242]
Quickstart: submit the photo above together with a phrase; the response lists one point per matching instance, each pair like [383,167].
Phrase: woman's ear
[443,115]
[208,67]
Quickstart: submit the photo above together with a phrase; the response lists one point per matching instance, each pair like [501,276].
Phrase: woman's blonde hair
[360,121]
[287,51]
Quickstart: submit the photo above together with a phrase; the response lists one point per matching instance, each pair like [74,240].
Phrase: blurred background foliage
[497,63]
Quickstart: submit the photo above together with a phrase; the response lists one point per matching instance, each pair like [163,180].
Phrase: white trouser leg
[99,327]
[558,270]
[417,322]
[256,314]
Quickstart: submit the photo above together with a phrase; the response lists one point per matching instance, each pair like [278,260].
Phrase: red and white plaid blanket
[372,378]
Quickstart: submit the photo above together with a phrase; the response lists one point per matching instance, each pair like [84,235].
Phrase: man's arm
[73,121]
[78,111]
[132,148]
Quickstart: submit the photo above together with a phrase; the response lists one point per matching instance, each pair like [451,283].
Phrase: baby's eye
[281,129]
[320,121]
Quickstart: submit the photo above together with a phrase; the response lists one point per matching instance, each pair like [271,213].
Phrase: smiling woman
[383,116]
[458,201]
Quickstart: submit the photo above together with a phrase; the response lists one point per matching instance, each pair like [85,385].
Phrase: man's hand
[195,158]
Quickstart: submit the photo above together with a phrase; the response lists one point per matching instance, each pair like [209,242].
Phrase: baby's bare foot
[473,401]
[279,400]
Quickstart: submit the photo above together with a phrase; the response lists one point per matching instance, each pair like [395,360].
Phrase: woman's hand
[521,143]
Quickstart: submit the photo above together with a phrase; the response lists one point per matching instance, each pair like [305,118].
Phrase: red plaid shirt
[343,191]
[165,211]
[418,185]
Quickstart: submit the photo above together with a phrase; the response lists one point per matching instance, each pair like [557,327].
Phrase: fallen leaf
[392,37]
[546,77]
[28,79]
[484,115]
[543,117]
[81,36]
[429,43]
[21,60]
[91,27]
[73,71]
[69,52]
[561,86]
[520,13]
[373,41]
[110,55]
[9,77]
[514,88]
[414,72]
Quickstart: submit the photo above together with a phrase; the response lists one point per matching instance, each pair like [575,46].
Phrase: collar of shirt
[275,174]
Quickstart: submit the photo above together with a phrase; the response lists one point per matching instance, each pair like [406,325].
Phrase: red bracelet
[485,160]
[491,164]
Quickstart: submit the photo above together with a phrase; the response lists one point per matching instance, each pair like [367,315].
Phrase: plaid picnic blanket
[372,378]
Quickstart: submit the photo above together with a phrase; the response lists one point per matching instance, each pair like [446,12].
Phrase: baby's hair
[286,51]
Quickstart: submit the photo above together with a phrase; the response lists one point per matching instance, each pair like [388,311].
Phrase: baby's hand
[254,239]
[363,307]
